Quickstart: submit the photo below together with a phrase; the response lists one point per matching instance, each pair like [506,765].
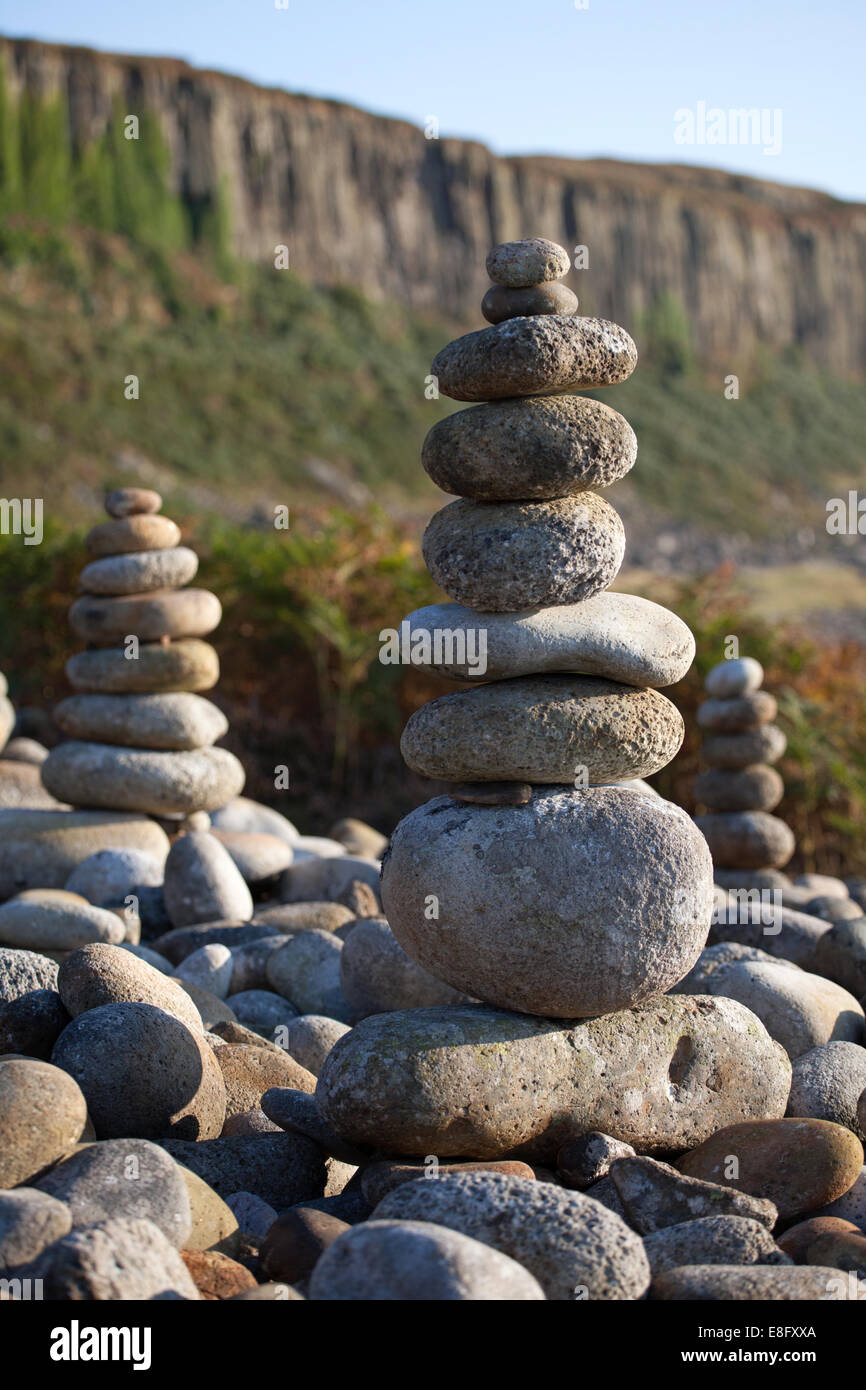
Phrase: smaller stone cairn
[139,735]
[740,788]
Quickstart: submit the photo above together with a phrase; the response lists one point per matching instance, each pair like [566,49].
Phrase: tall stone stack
[138,734]
[565,905]
[740,787]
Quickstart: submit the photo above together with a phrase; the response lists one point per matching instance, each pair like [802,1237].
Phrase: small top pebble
[128,501]
[738,676]
[519,264]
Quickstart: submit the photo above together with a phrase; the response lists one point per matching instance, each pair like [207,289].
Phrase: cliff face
[370,201]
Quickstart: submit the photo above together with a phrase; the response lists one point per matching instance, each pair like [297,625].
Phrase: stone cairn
[740,788]
[544,887]
[138,735]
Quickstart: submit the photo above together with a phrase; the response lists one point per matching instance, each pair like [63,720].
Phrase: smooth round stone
[798,1239]
[210,967]
[542,447]
[49,919]
[543,729]
[124,1259]
[824,884]
[144,1073]
[306,971]
[111,875]
[539,356]
[505,557]
[141,779]
[800,1010]
[841,955]
[25,750]
[29,1222]
[252,818]
[305,916]
[216,1276]
[751,1283]
[797,1164]
[618,636]
[828,1082]
[357,837]
[123,1177]
[757,788]
[21,972]
[588,1157]
[263,1010]
[97,975]
[835,909]
[417,1261]
[748,923]
[31,1024]
[139,572]
[214,1225]
[712,1240]
[531,261]
[766,744]
[142,531]
[203,883]
[747,839]
[325,879]
[851,1206]
[479,1083]
[175,613]
[740,712]
[377,975]
[738,676]
[296,1242]
[501,303]
[43,1115]
[567,1240]
[297,1112]
[258,857]
[176,720]
[189,664]
[39,849]
[531,912]
[132,501]
[311,1037]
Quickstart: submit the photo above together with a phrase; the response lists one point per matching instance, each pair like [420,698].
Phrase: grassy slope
[244,380]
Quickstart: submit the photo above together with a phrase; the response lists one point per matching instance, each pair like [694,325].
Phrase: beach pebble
[323,880]
[281,1169]
[176,720]
[248,1072]
[31,1024]
[259,859]
[21,972]
[502,557]
[141,779]
[210,967]
[840,954]
[123,1177]
[738,676]
[124,1258]
[501,303]
[132,501]
[827,1083]
[30,1220]
[139,572]
[376,975]
[111,875]
[738,713]
[189,664]
[100,974]
[764,744]
[757,788]
[43,1115]
[203,883]
[140,531]
[655,1196]
[50,919]
[263,1010]
[296,1241]
[216,1276]
[750,1283]
[586,1158]
[252,1214]
[359,838]
[713,1240]
[746,839]
[306,971]
[144,1073]
[252,818]
[311,1037]
[531,261]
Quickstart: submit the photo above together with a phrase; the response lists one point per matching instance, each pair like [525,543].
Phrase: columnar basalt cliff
[367,200]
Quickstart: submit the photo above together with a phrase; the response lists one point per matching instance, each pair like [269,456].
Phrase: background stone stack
[139,736]
[740,788]
[536,886]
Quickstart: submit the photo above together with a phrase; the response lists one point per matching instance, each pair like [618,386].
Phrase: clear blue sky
[529,76]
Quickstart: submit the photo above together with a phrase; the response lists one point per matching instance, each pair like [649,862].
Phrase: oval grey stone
[139,779]
[738,676]
[713,1240]
[126,1258]
[50,919]
[533,260]
[570,1243]
[164,613]
[827,1084]
[306,971]
[538,356]
[766,744]
[123,1177]
[543,729]
[377,975]
[505,557]
[40,849]
[501,303]
[750,1283]
[417,1261]
[532,915]
[757,788]
[538,448]
[139,572]
[174,720]
[29,1221]
[746,839]
[480,1083]
[203,883]
[188,664]
[141,531]
[740,712]
[618,636]
[311,1037]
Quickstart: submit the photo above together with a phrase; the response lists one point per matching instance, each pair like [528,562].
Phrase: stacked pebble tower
[740,788]
[138,735]
[551,884]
